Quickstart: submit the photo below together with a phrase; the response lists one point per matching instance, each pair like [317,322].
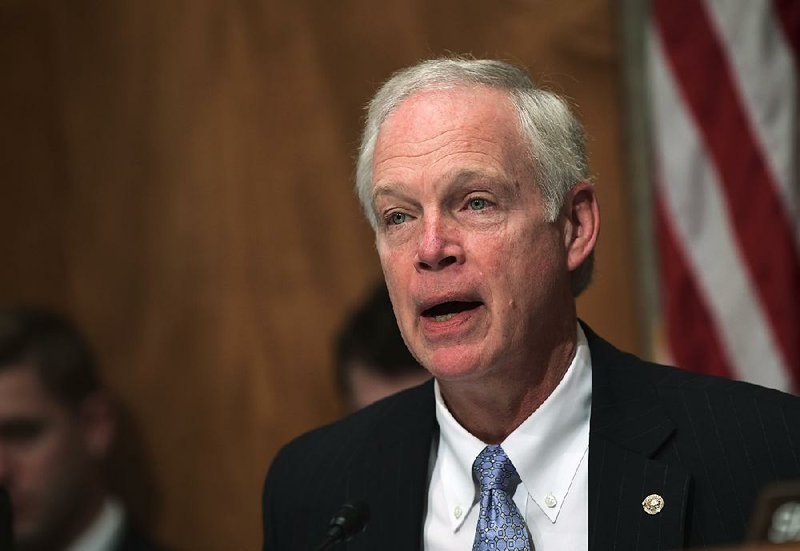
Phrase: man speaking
[535,433]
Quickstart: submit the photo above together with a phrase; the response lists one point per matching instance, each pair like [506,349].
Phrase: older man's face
[475,273]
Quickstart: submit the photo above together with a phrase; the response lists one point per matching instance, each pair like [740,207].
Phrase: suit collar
[626,409]
[629,427]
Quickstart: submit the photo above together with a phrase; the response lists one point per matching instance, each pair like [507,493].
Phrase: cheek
[42,464]
[396,273]
[387,256]
[523,263]
[496,256]
[59,450]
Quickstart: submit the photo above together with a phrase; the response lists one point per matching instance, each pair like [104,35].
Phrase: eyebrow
[461,178]
[390,188]
[466,176]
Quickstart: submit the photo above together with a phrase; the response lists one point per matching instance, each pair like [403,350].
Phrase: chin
[455,363]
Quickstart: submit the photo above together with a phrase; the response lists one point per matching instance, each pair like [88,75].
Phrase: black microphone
[6,522]
[349,520]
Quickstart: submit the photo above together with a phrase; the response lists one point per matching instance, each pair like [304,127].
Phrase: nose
[439,245]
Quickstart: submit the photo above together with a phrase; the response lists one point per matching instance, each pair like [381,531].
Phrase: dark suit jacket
[135,540]
[706,445]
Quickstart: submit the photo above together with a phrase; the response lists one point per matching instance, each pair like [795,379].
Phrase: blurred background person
[57,426]
[372,361]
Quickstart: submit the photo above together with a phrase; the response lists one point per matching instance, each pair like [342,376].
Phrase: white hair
[555,137]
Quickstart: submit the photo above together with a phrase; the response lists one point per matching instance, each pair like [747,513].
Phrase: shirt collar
[104,532]
[546,449]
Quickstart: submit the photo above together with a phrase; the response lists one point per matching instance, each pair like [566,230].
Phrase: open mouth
[446,310]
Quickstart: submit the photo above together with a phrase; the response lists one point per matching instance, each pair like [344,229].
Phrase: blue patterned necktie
[500,524]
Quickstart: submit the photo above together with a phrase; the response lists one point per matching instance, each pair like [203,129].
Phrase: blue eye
[397,218]
[477,204]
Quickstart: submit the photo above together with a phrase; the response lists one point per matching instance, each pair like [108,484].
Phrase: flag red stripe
[762,230]
[788,12]
[691,333]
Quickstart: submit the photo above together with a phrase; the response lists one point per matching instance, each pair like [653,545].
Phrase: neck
[72,528]
[493,407]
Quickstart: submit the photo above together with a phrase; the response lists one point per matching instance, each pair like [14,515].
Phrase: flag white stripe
[695,206]
[763,71]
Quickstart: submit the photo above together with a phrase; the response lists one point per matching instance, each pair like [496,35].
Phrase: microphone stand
[351,519]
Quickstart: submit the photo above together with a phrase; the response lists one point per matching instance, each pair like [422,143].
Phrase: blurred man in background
[57,425]
[372,361]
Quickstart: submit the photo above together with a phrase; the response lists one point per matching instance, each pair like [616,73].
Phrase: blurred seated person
[57,426]
[372,361]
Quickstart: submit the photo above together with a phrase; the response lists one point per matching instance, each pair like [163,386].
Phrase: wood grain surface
[177,176]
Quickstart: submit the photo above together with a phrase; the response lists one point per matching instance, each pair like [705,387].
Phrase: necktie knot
[494,470]
[501,527]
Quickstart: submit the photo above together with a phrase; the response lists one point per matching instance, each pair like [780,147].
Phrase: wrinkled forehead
[473,130]
[460,105]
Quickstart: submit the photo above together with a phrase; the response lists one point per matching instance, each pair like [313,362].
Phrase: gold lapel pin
[653,504]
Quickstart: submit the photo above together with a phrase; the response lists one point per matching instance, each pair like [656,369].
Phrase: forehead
[22,393]
[428,114]
[436,134]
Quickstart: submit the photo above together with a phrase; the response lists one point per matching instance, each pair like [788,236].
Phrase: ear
[582,223]
[98,423]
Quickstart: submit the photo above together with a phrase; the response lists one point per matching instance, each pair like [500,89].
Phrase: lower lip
[455,326]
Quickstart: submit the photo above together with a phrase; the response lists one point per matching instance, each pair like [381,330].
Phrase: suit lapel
[619,482]
[628,427]
[391,474]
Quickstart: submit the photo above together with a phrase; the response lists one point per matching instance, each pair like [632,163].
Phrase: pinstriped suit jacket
[706,445]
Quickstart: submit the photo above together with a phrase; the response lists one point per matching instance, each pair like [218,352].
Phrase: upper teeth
[444,317]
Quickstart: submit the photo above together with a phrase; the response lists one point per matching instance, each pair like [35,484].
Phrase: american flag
[723,80]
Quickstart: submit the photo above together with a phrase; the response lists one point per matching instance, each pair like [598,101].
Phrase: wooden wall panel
[177,176]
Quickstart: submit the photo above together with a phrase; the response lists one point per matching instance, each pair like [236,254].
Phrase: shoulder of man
[673,382]
[737,415]
[745,425]
[351,431]
[308,479]
[134,539]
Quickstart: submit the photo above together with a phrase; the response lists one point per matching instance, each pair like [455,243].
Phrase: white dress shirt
[105,532]
[550,452]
